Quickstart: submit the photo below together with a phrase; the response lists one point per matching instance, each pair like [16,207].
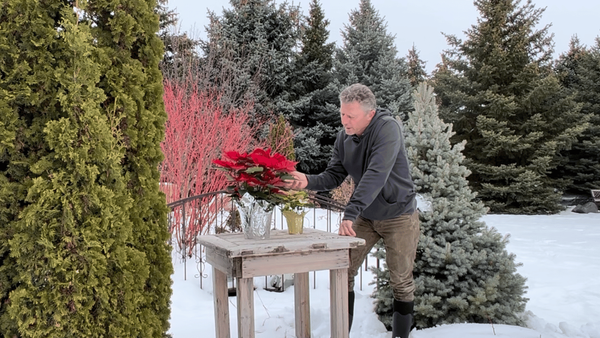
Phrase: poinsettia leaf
[253,170]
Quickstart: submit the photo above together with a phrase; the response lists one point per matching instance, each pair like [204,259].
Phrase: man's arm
[334,174]
[331,178]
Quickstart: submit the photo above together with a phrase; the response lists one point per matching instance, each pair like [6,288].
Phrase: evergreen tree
[281,138]
[498,89]
[133,82]
[463,272]
[180,59]
[83,250]
[368,56]
[416,68]
[313,105]
[579,72]
[252,47]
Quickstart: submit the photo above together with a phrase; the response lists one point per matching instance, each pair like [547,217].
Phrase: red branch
[197,132]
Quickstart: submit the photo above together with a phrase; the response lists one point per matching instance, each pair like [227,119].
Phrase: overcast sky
[420,22]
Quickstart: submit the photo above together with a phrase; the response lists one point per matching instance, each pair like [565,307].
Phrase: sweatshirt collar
[379,113]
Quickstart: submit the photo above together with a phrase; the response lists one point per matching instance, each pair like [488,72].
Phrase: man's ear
[371,114]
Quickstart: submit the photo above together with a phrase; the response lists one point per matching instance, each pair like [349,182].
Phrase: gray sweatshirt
[377,163]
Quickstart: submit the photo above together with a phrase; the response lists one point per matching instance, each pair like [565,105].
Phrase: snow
[561,261]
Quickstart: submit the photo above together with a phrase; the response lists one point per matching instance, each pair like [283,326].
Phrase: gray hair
[361,94]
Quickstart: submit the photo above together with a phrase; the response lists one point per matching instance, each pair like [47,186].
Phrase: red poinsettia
[260,173]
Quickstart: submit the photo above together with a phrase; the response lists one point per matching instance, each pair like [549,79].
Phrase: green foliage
[83,250]
[498,89]
[312,106]
[463,272]
[180,58]
[579,72]
[416,68]
[368,56]
[281,138]
[252,48]
[296,201]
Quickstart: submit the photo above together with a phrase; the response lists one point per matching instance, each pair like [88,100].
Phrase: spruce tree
[313,106]
[369,56]
[498,89]
[181,59]
[84,233]
[252,47]
[579,72]
[463,272]
[416,68]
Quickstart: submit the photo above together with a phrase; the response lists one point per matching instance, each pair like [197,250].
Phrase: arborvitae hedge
[83,232]
[126,33]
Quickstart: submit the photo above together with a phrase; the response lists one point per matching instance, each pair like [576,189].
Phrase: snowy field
[561,261]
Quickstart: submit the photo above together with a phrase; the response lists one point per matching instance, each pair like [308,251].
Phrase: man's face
[354,119]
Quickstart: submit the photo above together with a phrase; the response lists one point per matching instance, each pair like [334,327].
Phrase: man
[371,150]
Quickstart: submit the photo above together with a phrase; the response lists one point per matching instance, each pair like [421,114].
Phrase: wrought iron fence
[210,213]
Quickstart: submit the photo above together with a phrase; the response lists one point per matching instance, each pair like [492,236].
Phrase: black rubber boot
[350,308]
[403,319]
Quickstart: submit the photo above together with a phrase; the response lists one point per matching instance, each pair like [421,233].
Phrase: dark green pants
[400,236]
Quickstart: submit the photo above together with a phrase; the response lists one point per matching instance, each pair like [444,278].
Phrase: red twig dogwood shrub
[197,131]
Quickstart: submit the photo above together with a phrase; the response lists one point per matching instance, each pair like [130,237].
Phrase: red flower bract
[234,155]
[229,165]
[260,173]
[275,162]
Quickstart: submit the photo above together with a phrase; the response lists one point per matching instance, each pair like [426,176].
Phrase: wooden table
[234,255]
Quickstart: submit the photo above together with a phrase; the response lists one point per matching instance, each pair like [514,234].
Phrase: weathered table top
[233,254]
[236,245]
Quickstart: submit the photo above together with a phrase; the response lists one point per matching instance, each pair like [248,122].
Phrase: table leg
[302,305]
[221,302]
[338,288]
[245,307]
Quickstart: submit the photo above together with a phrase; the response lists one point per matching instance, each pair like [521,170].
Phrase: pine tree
[416,68]
[463,272]
[313,108]
[180,59]
[498,89]
[253,46]
[368,56]
[579,72]
[83,248]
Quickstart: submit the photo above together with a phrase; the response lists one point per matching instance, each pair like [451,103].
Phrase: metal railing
[209,214]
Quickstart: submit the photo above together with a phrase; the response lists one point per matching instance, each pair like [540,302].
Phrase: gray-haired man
[371,150]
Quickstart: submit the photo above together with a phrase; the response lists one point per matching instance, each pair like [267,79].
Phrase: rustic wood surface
[236,245]
[234,255]
[221,303]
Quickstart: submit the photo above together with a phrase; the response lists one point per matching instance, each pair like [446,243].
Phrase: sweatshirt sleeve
[333,176]
[382,154]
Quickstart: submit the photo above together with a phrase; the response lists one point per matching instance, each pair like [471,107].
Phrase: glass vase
[255,216]
[294,220]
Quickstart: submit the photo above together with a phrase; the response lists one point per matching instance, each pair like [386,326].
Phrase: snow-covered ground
[561,261]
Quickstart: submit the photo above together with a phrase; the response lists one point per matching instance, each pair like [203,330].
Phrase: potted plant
[294,207]
[256,184]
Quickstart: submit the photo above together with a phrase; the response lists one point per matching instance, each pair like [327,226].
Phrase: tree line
[530,122]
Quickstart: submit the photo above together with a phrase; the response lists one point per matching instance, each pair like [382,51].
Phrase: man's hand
[299,182]
[346,228]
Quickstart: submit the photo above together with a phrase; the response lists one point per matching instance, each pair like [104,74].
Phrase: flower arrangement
[260,174]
